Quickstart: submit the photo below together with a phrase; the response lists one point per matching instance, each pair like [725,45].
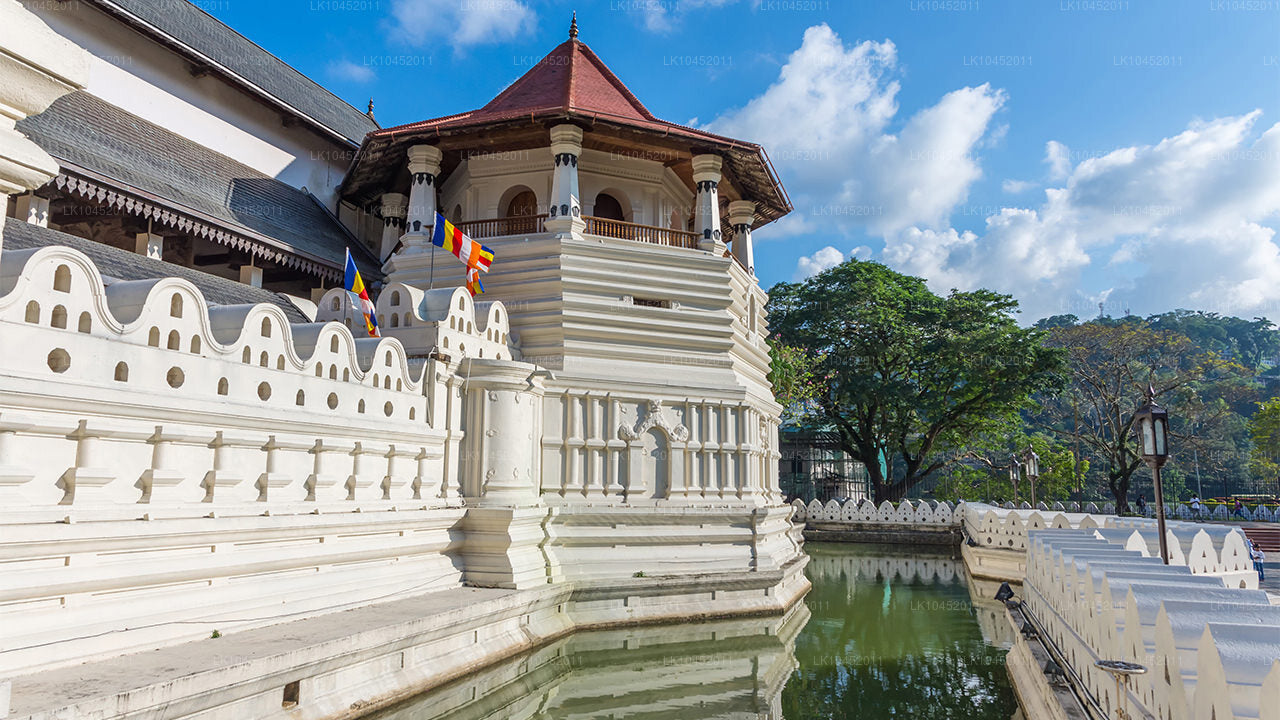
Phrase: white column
[502,475]
[424,166]
[566,205]
[706,175]
[40,66]
[742,213]
[150,245]
[394,209]
[251,275]
[33,209]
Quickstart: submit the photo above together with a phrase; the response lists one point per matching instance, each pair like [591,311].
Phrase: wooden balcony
[502,227]
[533,224]
[641,233]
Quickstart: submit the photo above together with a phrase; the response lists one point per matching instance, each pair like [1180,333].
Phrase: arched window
[395,320]
[266,327]
[153,337]
[175,306]
[395,297]
[62,279]
[33,312]
[222,386]
[608,207]
[456,215]
[333,344]
[122,372]
[522,204]
[86,323]
[195,345]
[59,318]
[336,305]
[175,340]
[521,207]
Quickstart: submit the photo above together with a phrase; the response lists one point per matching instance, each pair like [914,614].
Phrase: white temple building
[199,440]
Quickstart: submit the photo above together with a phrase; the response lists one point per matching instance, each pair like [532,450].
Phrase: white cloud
[862,252]
[826,258]
[843,164]
[1016,187]
[1058,158]
[460,22]
[350,72]
[662,15]
[1186,222]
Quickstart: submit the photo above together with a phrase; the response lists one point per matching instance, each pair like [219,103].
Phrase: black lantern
[1031,465]
[1152,423]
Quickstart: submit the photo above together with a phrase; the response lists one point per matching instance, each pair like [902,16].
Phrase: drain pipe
[1085,700]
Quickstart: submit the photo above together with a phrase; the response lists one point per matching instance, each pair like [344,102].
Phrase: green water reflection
[897,634]
[881,634]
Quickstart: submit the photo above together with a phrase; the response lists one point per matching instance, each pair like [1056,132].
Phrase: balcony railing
[531,224]
[501,227]
[642,233]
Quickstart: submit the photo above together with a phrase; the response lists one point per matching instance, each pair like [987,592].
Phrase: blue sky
[1065,151]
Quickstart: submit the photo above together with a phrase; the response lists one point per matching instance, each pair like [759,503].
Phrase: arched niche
[611,204]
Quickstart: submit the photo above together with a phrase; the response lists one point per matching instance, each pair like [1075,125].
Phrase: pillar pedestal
[706,175]
[565,211]
[424,166]
[501,474]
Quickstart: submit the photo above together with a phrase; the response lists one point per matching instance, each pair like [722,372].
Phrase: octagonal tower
[623,256]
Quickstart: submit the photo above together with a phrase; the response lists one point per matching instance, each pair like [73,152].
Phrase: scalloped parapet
[129,393]
[446,321]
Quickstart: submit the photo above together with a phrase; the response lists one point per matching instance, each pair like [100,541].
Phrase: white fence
[921,512]
[1210,644]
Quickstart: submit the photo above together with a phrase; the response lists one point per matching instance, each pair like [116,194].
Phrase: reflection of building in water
[993,620]
[731,669]
[813,465]
[906,568]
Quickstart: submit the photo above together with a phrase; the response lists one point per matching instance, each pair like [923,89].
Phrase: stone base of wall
[344,665]
[883,533]
[1002,565]
[1036,697]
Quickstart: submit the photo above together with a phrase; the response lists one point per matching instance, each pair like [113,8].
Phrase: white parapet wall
[172,469]
[1209,640]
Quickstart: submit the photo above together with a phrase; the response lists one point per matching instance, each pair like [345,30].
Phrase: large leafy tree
[904,376]
[1112,364]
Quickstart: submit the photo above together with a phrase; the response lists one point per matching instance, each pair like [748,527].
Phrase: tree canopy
[904,376]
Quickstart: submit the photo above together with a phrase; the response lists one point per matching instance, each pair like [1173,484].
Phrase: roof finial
[369,112]
[573,26]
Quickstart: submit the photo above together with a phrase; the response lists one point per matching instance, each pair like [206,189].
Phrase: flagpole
[431,278]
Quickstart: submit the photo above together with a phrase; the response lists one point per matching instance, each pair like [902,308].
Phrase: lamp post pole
[1152,422]
[1031,461]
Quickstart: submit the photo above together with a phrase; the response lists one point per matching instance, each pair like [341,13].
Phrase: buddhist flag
[471,253]
[474,286]
[354,285]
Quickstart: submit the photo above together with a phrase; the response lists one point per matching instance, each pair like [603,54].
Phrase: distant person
[1238,510]
[1195,505]
[1259,561]
[1142,505]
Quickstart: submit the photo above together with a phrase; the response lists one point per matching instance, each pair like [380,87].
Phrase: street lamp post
[1013,475]
[1031,462]
[1152,422]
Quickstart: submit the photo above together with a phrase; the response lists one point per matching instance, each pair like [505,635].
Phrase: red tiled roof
[570,78]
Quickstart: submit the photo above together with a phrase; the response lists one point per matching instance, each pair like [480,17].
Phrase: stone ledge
[349,663]
[886,533]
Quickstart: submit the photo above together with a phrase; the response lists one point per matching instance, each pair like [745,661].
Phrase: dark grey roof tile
[116,264]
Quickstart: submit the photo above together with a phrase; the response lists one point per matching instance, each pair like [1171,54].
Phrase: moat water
[883,633]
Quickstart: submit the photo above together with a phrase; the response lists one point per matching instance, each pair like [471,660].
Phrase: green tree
[1264,429]
[792,375]
[1112,364]
[907,375]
